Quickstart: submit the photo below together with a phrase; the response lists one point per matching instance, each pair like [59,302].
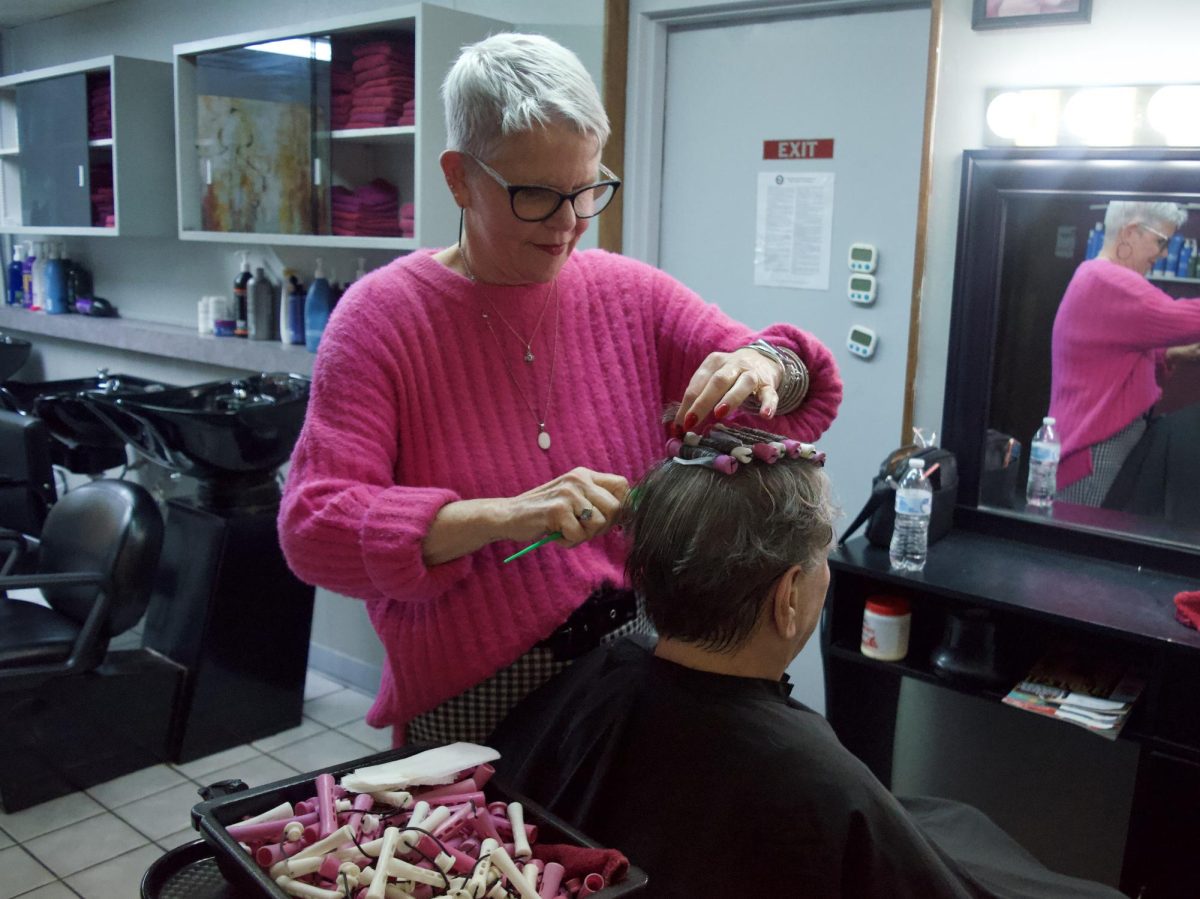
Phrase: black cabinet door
[52,130]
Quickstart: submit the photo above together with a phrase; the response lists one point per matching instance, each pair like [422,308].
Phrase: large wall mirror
[1025,223]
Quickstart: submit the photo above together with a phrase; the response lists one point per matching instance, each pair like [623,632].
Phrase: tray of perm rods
[412,823]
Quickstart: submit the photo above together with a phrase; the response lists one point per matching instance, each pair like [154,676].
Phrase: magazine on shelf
[1080,688]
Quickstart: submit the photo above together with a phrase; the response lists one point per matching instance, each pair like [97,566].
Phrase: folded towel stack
[372,210]
[99,87]
[104,213]
[341,91]
[378,91]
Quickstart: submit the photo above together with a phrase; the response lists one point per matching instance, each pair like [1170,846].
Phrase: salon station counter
[1036,598]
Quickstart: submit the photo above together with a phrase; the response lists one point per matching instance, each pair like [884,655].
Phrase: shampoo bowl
[222,430]
[81,441]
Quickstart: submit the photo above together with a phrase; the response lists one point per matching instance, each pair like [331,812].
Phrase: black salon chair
[76,714]
[95,567]
[26,473]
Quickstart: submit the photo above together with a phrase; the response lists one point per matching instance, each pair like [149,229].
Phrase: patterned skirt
[1107,458]
[471,716]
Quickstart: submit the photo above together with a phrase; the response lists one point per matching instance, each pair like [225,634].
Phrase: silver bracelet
[793,386]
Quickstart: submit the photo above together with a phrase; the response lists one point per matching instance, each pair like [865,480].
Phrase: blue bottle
[317,306]
[1185,259]
[15,294]
[56,282]
[1173,247]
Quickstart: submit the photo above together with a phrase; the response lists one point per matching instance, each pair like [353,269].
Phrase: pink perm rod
[325,805]
[551,880]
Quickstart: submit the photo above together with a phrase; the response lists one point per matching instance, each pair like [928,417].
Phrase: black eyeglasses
[1163,240]
[536,203]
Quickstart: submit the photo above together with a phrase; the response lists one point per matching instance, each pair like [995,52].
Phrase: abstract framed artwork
[1020,13]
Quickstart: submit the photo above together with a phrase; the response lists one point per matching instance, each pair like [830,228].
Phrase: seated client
[692,759]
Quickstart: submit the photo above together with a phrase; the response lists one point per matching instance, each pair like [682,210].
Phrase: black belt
[605,610]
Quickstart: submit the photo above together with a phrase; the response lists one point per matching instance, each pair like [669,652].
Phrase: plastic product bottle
[291,311]
[317,306]
[27,276]
[241,286]
[1174,247]
[260,298]
[55,302]
[1194,262]
[1043,466]
[1185,259]
[914,504]
[1095,240]
[38,299]
[15,285]
[361,271]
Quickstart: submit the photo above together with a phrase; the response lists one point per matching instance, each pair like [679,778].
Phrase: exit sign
[803,148]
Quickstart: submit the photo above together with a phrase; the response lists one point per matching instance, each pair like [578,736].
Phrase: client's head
[730,555]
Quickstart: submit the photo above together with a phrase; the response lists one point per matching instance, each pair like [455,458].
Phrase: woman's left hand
[726,380]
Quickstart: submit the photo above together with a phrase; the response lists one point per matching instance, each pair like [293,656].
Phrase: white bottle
[260,302]
[39,274]
[1043,466]
[914,504]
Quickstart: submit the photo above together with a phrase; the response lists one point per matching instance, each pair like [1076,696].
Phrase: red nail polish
[721,411]
[689,421]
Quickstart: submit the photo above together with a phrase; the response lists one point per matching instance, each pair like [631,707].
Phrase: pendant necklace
[543,437]
[528,344]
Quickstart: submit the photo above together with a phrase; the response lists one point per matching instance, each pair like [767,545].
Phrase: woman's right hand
[462,527]
[580,505]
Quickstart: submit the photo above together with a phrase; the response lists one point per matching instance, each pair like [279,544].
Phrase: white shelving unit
[140,148]
[406,156]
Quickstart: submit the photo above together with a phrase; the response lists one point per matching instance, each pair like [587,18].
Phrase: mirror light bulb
[1174,112]
[1028,118]
[1102,116]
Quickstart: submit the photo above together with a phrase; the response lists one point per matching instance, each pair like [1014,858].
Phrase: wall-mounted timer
[863,257]
[862,341]
[862,289]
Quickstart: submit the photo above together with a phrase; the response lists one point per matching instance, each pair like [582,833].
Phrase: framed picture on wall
[1018,13]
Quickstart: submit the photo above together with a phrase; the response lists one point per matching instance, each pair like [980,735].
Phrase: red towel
[579,861]
[1187,608]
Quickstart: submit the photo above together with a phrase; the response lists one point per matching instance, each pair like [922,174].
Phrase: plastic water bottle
[1043,466]
[910,534]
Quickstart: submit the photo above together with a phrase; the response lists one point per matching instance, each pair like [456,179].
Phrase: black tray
[211,817]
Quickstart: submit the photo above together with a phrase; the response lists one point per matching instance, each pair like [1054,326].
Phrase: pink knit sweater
[411,409]
[1111,331]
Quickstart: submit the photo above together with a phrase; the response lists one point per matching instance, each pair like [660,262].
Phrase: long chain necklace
[543,437]
[528,344]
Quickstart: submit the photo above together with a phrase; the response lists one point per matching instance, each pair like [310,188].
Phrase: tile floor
[97,843]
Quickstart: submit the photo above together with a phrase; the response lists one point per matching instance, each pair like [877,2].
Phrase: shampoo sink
[81,441]
[232,435]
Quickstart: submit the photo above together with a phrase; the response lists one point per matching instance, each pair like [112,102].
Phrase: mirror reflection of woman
[1114,333]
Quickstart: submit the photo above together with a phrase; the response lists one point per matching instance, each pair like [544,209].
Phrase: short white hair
[509,83]
[1163,216]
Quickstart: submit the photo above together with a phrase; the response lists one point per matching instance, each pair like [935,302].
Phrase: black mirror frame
[989,178]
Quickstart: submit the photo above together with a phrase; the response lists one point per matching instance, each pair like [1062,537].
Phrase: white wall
[160,279]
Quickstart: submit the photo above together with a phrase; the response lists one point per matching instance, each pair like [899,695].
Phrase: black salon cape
[724,786]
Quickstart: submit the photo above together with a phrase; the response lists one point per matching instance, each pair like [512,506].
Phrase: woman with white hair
[469,400]
[1112,332]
